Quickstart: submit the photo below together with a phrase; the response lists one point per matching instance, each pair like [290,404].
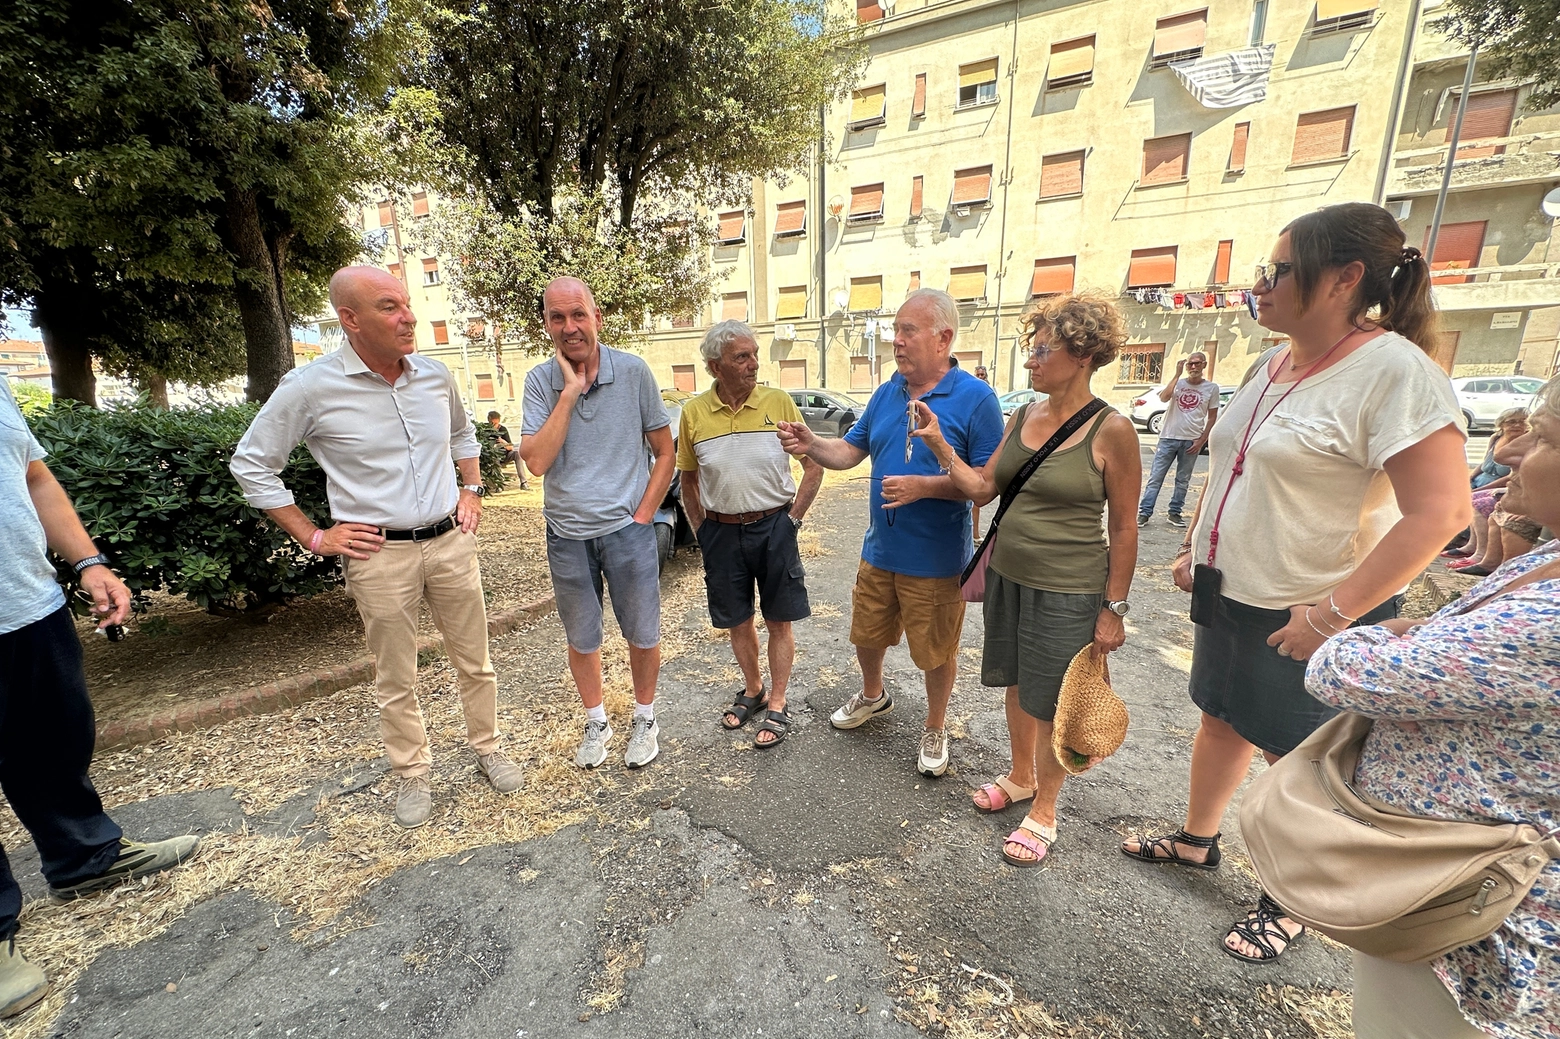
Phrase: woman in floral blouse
[1467,709]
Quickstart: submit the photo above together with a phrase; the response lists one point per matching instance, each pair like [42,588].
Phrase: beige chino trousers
[388,588]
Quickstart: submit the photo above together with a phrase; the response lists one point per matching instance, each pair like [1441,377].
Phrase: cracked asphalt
[821,889]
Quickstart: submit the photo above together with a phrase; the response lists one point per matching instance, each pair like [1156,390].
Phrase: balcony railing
[1517,286]
[1523,157]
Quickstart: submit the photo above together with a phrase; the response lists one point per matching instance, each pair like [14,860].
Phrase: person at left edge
[383,422]
[46,728]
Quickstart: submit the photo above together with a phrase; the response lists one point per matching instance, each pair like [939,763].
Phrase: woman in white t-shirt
[1337,474]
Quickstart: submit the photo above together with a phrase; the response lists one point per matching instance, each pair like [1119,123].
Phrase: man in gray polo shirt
[587,417]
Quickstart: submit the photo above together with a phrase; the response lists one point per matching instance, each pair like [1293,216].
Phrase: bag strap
[1016,484]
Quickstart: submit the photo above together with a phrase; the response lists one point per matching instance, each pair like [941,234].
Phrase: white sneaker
[643,744]
[859,709]
[933,759]
[593,748]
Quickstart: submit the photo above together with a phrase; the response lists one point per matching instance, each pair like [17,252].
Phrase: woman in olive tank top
[1056,582]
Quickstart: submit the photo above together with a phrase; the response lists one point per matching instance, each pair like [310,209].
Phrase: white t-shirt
[1188,414]
[1312,499]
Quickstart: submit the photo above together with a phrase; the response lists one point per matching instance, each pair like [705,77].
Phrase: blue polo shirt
[930,537]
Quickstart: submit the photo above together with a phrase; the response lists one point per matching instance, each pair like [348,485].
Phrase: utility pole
[1451,156]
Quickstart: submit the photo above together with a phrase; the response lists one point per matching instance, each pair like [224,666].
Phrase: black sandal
[1259,929]
[1149,847]
[744,707]
[777,722]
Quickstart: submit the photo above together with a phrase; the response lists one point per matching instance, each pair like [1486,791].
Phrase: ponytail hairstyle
[1396,284]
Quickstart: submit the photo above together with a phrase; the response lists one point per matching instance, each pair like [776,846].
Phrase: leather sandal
[1260,929]
[776,722]
[1149,848]
[1001,793]
[744,707]
[1033,837]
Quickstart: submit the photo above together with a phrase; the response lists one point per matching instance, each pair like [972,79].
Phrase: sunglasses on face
[1269,273]
[1197,364]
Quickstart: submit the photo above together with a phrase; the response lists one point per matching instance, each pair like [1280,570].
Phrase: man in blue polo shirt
[920,535]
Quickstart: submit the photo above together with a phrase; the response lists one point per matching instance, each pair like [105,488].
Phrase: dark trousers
[46,738]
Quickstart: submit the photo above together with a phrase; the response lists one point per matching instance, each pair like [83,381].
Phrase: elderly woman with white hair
[745,505]
[1466,709]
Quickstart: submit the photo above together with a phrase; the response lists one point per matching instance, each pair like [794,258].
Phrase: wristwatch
[475,488]
[1118,606]
[94,560]
[795,522]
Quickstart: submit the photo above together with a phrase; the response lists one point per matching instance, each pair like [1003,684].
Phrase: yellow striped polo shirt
[741,465]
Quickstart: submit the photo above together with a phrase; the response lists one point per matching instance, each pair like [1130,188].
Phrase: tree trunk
[267,337]
[64,340]
[155,387]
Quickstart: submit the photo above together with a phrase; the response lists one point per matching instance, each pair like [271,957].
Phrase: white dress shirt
[386,449]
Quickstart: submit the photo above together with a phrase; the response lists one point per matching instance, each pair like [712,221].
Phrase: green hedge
[154,490]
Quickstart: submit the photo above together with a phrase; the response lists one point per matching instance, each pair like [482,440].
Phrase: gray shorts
[627,560]
[1031,637]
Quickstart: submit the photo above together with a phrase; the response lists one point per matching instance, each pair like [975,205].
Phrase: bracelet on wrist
[1325,634]
[96,559]
[315,539]
[1333,606]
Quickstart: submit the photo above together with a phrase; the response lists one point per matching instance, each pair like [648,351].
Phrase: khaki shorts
[927,610]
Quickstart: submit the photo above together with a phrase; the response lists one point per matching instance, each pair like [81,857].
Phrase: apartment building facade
[1006,150]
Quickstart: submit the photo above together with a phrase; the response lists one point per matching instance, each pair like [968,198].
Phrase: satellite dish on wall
[1551,204]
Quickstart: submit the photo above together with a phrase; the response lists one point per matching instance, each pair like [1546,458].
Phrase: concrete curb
[1445,587]
[288,692]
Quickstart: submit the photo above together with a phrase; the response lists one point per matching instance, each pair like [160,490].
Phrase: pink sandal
[1034,838]
[1001,794]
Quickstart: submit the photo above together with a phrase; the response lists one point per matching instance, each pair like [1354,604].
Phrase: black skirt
[1238,678]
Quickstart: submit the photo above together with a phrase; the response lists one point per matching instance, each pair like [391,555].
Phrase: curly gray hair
[722,335]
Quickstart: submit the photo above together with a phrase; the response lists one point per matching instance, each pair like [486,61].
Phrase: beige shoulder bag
[1379,879]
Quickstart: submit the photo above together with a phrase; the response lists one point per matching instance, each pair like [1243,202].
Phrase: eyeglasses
[1040,351]
[1269,273]
[1197,364]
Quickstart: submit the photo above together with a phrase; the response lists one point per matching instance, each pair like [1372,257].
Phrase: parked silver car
[1015,399]
[826,411]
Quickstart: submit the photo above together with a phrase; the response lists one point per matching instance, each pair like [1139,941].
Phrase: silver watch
[795,522]
[1118,606]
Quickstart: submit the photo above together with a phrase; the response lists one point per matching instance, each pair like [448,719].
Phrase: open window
[791,219]
[1072,64]
[867,107]
[733,228]
[866,204]
[978,83]
[1343,16]
[1179,37]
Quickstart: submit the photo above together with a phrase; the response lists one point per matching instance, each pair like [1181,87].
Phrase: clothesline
[1188,300]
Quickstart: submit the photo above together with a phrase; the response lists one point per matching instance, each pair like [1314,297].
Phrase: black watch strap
[94,560]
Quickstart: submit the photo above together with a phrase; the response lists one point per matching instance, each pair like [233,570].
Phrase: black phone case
[1206,582]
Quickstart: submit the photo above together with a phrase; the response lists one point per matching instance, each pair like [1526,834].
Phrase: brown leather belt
[744,517]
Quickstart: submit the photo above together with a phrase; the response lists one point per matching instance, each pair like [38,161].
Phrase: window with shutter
[1489,115]
[861,374]
[683,378]
[915,282]
[967,284]
[917,195]
[682,321]
[792,303]
[867,106]
[1061,175]
[1165,159]
[1072,64]
[868,11]
[790,219]
[918,101]
[1343,16]
[1322,136]
[866,294]
[395,271]
[1221,262]
[476,328]
[1457,247]
[866,204]
[793,373]
[978,83]
[386,213]
[441,332]
[972,187]
[1152,268]
[733,228]
[1053,277]
[419,203]
[1179,37]
[1141,363]
[430,268]
[733,306]
[1238,148]
[485,387]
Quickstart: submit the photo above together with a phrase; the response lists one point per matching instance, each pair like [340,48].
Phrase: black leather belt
[743,518]
[428,533]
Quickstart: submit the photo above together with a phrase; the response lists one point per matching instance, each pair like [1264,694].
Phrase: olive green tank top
[1053,535]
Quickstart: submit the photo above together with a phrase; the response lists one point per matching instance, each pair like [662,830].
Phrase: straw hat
[1091,721]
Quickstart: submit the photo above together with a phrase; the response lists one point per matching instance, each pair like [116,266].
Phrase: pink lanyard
[1252,425]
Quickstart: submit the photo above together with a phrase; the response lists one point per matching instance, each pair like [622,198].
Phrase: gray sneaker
[643,744]
[22,984]
[504,774]
[414,802]
[933,758]
[593,748]
[135,860]
[858,709]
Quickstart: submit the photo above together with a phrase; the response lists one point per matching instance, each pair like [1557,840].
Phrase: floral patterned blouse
[1467,711]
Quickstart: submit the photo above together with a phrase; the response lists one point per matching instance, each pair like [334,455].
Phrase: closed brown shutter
[917,193]
[1152,267]
[866,293]
[1180,32]
[918,101]
[1489,115]
[792,303]
[476,328]
[866,202]
[791,218]
[1165,159]
[1323,135]
[1061,175]
[793,373]
[1221,262]
[441,332]
[915,282]
[485,387]
[867,105]
[386,213]
[683,378]
[1053,276]
[972,187]
[861,372]
[1238,147]
[419,203]
[733,306]
[1072,63]
[733,227]
[1457,247]
[868,11]
[967,283]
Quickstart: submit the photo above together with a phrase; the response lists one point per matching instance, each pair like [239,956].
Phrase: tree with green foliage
[1519,39]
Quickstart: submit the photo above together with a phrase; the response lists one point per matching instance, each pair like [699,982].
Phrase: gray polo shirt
[601,472]
[30,592]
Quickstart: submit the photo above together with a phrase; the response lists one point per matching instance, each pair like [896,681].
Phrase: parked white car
[1148,410]
[1483,397]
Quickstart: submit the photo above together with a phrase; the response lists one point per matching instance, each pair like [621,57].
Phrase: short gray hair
[722,335]
[944,310]
[1547,400]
